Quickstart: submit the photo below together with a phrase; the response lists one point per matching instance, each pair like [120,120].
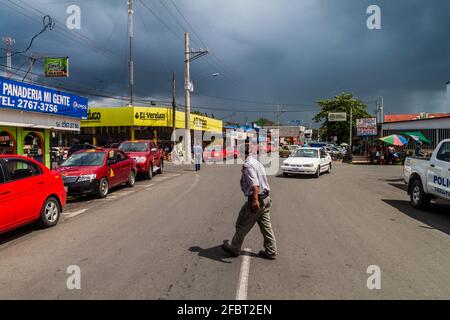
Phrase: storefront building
[434,129]
[30,115]
[105,126]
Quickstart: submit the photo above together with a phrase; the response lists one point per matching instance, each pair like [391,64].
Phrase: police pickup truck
[428,178]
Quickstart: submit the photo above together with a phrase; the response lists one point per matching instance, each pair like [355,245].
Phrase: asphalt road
[161,240]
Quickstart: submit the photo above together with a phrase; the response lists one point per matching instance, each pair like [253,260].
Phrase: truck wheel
[131,179]
[103,188]
[161,166]
[419,199]
[149,174]
[50,213]
[317,175]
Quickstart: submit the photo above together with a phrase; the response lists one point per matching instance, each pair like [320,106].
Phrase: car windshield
[306,153]
[85,159]
[134,146]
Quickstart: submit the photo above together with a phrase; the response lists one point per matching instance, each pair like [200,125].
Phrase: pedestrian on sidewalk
[256,209]
[197,155]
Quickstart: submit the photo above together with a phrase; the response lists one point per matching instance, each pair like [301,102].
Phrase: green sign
[56,67]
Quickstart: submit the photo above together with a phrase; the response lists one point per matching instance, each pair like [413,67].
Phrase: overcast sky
[292,52]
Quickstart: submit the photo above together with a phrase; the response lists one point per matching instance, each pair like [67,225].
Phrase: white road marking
[73,213]
[149,186]
[241,293]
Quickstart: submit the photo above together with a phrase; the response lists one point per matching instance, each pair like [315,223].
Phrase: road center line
[241,293]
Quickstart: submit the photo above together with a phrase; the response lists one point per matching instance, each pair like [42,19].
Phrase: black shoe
[263,254]
[227,249]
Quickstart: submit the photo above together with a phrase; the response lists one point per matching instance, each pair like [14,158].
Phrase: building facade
[30,116]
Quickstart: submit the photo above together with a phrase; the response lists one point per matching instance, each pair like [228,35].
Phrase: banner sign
[31,98]
[337,116]
[147,117]
[56,67]
[366,127]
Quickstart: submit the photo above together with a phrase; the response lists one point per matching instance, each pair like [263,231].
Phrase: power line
[48,23]
[86,90]
[161,21]
[31,12]
[270,103]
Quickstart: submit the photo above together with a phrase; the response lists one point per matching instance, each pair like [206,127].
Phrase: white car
[312,161]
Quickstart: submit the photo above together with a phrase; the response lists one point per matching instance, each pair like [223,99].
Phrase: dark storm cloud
[282,51]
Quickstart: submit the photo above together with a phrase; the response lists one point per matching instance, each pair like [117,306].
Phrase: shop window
[7,143]
[33,147]
[20,169]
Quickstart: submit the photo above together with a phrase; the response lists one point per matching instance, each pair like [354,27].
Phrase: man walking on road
[197,156]
[256,209]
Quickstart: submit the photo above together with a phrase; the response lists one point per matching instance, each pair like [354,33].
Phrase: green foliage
[340,103]
[263,122]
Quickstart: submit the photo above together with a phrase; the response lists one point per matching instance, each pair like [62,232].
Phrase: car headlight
[308,165]
[285,164]
[87,177]
[140,159]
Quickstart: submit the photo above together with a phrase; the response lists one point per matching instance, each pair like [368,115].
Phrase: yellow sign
[152,117]
[147,117]
[108,117]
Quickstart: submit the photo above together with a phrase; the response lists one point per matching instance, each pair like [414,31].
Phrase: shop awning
[395,140]
[417,135]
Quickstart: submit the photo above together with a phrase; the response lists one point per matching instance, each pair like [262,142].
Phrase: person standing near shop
[256,209]
[197,156]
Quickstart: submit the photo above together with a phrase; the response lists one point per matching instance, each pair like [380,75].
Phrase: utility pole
[174,105]
[279,113]
[189,55]
[351,133]
[130,53]
[382,114]
[8,41]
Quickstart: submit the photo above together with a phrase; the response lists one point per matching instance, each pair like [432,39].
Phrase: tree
[263,122]
[340,103]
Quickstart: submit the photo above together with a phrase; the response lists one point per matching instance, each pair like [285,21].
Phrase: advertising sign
[366,127]
[147,117]
[56,67]
[31,98]
[337,116]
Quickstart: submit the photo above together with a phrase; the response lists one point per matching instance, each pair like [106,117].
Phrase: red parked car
[29,192]
[149,159]
[212,154]
[96,171]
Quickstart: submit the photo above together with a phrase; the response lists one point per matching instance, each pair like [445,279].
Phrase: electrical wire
[48,23]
